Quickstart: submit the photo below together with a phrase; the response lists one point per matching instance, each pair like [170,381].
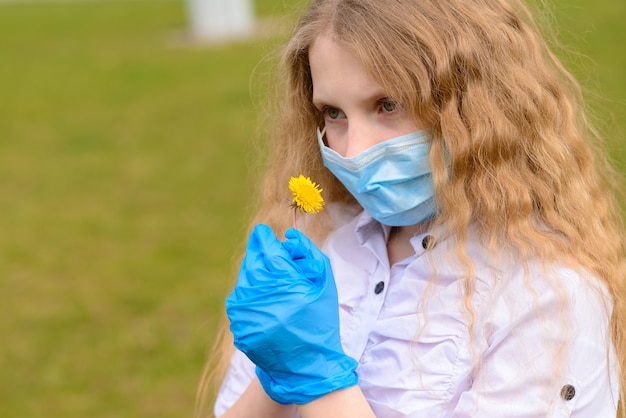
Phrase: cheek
[336,144]
[335,138]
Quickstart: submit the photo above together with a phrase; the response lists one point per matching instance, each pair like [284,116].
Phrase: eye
[388,105]
[333,113]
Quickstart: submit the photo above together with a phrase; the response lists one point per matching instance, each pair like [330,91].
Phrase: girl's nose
[361,136]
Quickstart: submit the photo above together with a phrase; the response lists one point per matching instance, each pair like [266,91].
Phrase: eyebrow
[374,96]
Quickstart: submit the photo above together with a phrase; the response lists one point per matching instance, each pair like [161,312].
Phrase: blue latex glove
[284,316]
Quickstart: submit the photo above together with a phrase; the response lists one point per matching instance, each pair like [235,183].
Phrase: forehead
[336,70]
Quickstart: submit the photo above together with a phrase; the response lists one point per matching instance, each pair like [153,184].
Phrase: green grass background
[123,188]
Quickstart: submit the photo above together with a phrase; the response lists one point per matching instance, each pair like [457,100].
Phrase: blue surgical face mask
[391,180]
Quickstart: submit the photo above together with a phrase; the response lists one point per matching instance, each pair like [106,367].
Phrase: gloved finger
[300,246]
[297,249]
[310,259]
[266,253]
[311,268]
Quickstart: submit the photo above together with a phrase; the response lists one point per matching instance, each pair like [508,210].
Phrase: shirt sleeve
[546,349]
[238,378]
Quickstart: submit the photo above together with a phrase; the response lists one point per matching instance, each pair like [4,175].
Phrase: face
[357,111]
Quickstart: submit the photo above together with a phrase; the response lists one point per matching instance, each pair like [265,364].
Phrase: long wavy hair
[513,150]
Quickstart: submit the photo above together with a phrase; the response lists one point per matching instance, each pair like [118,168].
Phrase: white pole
[220,19]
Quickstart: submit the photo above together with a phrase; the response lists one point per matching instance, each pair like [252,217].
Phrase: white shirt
[536,344]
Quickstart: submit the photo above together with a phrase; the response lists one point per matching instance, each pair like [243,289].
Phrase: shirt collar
[367,227]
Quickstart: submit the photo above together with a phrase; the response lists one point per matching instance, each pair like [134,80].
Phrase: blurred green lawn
[123,189]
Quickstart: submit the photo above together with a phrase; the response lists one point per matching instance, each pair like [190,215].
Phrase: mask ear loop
[321,135]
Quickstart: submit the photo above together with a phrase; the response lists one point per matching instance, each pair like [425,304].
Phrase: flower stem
[295,225]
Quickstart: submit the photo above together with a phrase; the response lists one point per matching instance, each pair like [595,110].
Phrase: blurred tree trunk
[220,19]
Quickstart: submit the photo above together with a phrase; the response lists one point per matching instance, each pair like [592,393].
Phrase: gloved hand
[284,316]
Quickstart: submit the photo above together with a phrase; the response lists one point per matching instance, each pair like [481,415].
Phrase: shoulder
[540,326]
[507,270]
[507,287]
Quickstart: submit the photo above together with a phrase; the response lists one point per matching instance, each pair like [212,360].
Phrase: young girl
[470,260]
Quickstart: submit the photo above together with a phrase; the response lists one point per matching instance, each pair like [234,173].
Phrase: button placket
[368,309]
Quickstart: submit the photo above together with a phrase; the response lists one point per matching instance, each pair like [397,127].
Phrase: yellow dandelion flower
[307,195]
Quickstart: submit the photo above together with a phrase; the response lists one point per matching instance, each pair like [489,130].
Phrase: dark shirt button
[568,392]
[427,242]
[379,287]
